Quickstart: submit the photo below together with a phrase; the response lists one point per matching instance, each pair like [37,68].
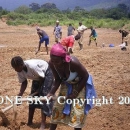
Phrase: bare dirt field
[110,68]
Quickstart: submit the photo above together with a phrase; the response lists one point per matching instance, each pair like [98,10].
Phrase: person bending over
[42,79]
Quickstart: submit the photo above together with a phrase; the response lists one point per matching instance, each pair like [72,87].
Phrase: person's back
[94,34]
[68,41]
[124,33]
[125,36]
[71,30]
[42,33]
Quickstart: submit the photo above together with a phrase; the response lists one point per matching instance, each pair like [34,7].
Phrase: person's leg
[70,50]
[89,42]
[30,116]
[126,43]
[46,43]
[43,121]
[53,126]
[46,48]
[81,42]
[95,41]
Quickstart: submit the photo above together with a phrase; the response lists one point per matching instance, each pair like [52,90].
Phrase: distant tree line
[121,11]
[46,14]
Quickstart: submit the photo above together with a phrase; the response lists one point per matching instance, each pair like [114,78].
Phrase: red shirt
[68,41]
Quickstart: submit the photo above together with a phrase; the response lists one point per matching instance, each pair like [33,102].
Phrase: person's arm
[73,28]
[91,33]
[57,80]
[23,88]
[60,35]
[39,34]
[76,66]
[60,32]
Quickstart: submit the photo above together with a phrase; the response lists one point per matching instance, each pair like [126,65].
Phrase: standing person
[42,79]
[81,30]
[68,42]
[43,37]
[93,36]
[75,83]
[57,32]
[71,30]
[125,36]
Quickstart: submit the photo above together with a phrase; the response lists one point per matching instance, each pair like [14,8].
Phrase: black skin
[22,89]
[40,34]
[63,69]
[124,34]
[57,24]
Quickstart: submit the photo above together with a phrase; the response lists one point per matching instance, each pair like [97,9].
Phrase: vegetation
[47,14]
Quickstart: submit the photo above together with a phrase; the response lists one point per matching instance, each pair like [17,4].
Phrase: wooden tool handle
[7,108]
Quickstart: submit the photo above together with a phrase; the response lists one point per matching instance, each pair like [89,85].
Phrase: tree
[77,9]
[67,10]
[49,6]
[123,8]
[23,10]
[1,8]
[34,6]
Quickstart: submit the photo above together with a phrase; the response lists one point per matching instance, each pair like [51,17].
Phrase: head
[120,30]
[80,23]
[70,24]
[17,63]
[59,54]
[77,37]
[91,27]
[57,22]
[37,28]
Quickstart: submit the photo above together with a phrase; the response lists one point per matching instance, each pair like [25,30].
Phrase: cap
[57,21]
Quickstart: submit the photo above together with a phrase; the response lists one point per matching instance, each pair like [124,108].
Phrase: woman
[42,79]
[72,77]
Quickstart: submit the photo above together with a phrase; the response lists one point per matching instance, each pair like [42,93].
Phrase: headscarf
[58,50]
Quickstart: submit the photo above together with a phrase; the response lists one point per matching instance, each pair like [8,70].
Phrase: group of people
[68,41]
[63,72]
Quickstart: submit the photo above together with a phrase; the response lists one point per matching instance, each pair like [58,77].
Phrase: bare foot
[42,126]
[29,123]
[36,52]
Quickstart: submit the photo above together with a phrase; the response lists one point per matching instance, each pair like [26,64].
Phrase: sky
[61,4]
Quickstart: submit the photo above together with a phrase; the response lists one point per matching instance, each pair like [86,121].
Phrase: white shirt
[36,68]
[81,28]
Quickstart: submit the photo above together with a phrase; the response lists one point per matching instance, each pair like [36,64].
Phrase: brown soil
[110,68]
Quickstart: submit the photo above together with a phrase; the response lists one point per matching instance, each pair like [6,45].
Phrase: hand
[51,96]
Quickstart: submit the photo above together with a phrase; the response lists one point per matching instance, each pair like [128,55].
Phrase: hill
[64,4]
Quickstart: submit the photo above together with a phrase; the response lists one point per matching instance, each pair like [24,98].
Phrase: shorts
[46,39]
[43,91]
[93,38]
